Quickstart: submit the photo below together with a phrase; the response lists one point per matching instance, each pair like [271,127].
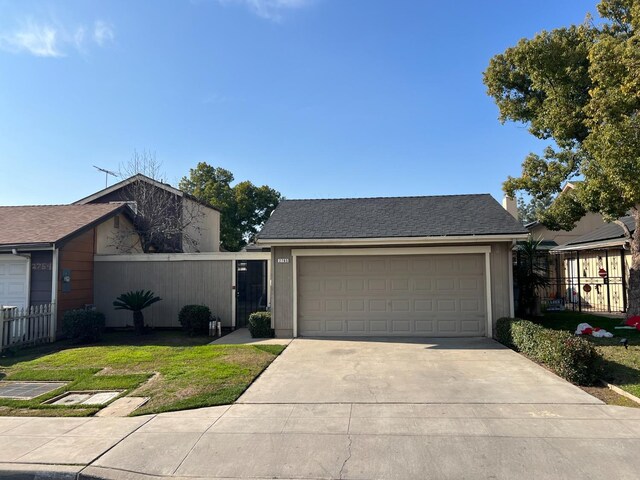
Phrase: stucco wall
[282,282]
[586,224]
[178,283]
[123,239]
[205,230]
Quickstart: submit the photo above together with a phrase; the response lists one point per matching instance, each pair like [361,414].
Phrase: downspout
[54,295]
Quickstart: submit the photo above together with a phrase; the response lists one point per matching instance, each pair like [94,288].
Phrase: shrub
[260,325]
[195,319]
[83,326]
[573,358]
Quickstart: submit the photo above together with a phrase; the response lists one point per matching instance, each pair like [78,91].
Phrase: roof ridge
[95,205]
[388,198]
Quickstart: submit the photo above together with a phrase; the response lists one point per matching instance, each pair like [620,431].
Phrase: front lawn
[621,366]
[176,371]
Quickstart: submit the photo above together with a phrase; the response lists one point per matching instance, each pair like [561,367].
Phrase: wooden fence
[26,326]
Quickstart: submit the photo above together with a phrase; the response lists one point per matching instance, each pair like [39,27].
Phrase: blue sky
[316,98]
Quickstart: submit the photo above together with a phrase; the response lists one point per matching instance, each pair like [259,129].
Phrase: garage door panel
[14,281]
[376,285]
[380,327]
[355,305]
[424,326]
[400,284]
[428,295]
[400,306]
[333,286]
[357,327]
[333,326]
[377,305]
[469,305]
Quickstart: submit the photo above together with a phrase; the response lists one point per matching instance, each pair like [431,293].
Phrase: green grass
[174,370]
[621,366]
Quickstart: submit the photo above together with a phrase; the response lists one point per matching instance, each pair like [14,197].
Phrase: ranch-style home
[436,266]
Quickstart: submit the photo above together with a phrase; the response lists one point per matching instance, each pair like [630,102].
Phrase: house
[549,239]
[594,269]
[46,251]
[201,221]
[438,266]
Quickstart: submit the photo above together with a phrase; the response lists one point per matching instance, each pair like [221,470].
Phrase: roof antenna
[106,175]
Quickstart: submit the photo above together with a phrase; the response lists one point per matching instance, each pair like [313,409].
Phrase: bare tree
[166,220]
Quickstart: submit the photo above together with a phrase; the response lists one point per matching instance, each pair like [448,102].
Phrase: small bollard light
[625,342]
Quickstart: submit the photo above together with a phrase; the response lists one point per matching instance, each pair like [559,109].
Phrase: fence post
[52,321]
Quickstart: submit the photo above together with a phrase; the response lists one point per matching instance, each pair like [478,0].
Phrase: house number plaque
[283,260]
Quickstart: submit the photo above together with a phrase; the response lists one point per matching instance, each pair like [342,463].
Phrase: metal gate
[589,281]
[251,289]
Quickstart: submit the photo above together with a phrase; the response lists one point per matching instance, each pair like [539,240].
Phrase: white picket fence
[26,326]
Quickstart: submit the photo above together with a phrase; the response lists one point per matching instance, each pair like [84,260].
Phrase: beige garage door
[403,295]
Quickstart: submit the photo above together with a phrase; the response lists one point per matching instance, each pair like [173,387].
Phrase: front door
[251,289]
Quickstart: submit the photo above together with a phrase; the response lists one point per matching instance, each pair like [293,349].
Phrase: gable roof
[389,217]
[50,224]
[142,178]
[609,235]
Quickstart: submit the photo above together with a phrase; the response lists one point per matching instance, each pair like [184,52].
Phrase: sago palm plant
[136,301]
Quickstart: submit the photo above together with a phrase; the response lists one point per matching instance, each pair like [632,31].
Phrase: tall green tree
[579,88]
[244,206]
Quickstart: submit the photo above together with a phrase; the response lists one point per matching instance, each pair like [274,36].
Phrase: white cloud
[49,39]
[103,33]
[36,39]
[270,9]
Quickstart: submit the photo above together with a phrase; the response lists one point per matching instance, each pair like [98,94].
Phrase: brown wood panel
[77,256]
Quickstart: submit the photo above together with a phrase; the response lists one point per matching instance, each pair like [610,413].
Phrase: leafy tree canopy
[244,206]
[578,87]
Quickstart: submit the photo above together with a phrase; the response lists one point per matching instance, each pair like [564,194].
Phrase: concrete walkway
[241,336]
[478,435]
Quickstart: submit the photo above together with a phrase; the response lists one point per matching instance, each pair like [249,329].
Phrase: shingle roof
[609,231]
[390,217]
[49,223]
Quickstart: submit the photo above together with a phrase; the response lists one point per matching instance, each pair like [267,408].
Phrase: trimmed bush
[83,326]
[195,319]
[573,358]
[260,325]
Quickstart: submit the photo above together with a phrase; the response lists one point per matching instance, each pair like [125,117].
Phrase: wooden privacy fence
[26,326]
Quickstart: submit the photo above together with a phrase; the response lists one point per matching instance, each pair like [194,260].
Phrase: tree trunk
[138,322]
[633,304]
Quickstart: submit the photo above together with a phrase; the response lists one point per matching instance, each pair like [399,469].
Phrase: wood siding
[41,277]
[282,291]
[177,283]
[501,288]
[76,256]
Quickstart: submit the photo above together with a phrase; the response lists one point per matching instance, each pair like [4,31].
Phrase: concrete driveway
[325,409]
[452,371]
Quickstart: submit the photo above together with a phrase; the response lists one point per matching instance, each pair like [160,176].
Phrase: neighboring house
[46,252]
[549,239]
[594,269]
[436,266]
[202,219]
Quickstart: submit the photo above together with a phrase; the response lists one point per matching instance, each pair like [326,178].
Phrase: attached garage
[14,281]
[391,267]
[384,295]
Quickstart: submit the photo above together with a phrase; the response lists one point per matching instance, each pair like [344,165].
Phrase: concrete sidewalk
[319,441]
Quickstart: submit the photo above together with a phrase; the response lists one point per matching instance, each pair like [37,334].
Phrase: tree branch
[627,232]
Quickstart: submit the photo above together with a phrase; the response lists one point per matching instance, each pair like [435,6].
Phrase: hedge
[195,319]
[260,325]
[573,358]
[83,326]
